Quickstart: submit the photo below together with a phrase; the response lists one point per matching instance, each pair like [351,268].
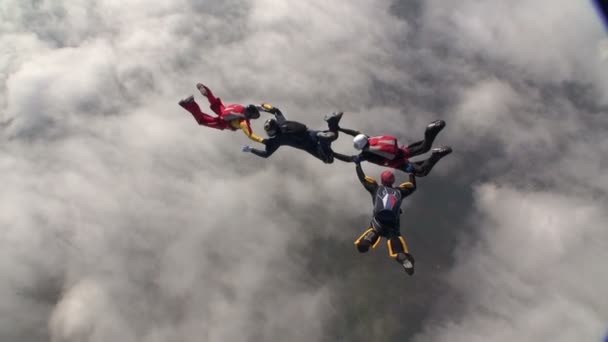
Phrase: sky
[124,220]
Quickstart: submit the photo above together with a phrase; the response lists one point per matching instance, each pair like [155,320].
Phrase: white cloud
[555,40]
[114,198]
[534,274]
[153,228]
[530,269]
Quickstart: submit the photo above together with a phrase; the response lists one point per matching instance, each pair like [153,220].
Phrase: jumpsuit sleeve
[349,131]
[408,188]
[268,108]
[271,146]
[349,159]
[343,157]
[246,128]
[368,182]
[279,116]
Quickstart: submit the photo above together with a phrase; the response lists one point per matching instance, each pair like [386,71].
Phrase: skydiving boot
[407,261]
[423,146]
[440,152]
[333,120]
[434,127]
[201,87]
[188,99]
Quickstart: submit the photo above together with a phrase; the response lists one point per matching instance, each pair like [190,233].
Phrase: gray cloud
[528,268]
[123,220]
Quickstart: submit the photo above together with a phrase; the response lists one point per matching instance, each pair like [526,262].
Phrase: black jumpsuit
[297,135]
[385,221]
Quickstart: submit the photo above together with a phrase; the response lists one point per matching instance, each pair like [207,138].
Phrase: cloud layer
[123,220]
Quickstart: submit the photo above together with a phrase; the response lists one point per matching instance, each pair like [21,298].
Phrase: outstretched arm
[349,159]
[368,182]
[246,128]
[280,118]
[343,157]
[271,146]
[268,108]
[349,131]
[408,188]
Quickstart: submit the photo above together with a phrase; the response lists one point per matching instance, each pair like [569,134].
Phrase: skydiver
[385,222]
[283,132]
[385,150]
[232,116]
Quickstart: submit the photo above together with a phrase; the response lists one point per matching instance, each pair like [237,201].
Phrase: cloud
[544,39]
[124,220]
[527,269]
[532,273]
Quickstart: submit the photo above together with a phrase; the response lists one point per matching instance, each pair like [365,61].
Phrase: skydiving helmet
[387,178]
[271,127]
[360,141]
[252,112]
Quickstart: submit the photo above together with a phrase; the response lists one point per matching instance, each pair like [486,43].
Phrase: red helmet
[387,178]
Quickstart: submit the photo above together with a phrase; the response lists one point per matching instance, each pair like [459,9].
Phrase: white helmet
[360,141]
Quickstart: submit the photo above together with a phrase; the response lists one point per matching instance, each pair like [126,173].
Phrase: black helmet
[271,127]
[252,112]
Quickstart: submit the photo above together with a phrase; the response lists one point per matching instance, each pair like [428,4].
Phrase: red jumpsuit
[385,150]
[230,117]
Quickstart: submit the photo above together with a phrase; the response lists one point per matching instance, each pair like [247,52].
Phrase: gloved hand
[267,107]
[409,168]
[247,148]
[201,87]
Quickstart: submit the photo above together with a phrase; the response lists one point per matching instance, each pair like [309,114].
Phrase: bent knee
[363,246]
